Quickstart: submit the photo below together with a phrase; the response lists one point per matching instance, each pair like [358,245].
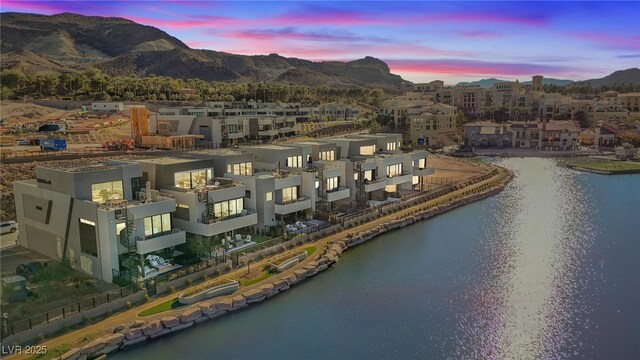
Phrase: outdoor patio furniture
[247,239]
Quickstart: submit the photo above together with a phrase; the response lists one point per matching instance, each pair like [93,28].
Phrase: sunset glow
[421,41]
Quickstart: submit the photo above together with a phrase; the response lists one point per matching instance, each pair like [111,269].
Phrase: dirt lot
[25,171]
[60,286]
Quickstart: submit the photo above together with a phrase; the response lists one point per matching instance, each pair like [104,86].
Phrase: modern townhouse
[103,219]
[206,204]
[378,169]
[284,182]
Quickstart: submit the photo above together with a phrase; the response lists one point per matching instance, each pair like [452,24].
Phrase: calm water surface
[548,269]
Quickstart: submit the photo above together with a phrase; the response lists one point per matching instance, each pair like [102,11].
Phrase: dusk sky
[422,41]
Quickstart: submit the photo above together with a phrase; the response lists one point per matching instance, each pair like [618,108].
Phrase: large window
[422,163]
[157,224]
[289,194]
[367,150]
[332,183]
[294,161]
[327,155]
[245,168]
[391,146]
[88,241]
[106,191]
[192,179]
[394,170]
[369,175]
[228,208]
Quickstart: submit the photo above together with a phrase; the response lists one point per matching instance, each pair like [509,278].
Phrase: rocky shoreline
[140,331]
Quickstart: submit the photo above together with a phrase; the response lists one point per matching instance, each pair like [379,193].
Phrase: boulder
[280,285]
[190,315]
[224,304]
[322,267]
[208,308]
[200,320]
[114,339]
[160,333]
[268,290]
[136,324]
[133,333]
[129,342]
[118,328]
[104,351]
[72,354]
[154,326]
[94,346]
[300,274]
[238,302]
[217,315]
[291,279]
[182,326]
[253,295]
[169,321]
[312,272]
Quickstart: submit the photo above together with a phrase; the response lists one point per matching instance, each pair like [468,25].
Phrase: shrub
[205,277]
[40,337]
[189,282]
[86,319]
[172,289]
[218,272]
[146,298]
[65,327]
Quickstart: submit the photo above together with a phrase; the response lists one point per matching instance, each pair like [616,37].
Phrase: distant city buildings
[225,123]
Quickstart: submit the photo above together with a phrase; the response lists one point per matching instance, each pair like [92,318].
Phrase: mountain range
[70,42]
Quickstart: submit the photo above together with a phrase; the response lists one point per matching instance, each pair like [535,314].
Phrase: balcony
[399,179]
[272,132]
[293,206]
[219,225]
[145,245]
[338,194]
[374,185]
[423,172]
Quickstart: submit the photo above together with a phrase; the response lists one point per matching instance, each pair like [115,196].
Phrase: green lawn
[310,250]
[604,165]
[167,305]
[264,275]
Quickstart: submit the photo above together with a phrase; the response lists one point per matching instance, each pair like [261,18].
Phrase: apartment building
[103,219]
[487,134]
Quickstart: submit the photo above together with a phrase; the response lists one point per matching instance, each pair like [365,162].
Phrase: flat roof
[166,160]
[222,152]
[74,168]
[271,147]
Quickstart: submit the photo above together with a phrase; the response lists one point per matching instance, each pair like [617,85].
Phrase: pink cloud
[485,17]
[40,7]
[293,34]
[478,34]
[610,40]
[473,67]
[193,22]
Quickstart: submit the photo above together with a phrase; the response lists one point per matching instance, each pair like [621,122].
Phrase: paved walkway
[76,337]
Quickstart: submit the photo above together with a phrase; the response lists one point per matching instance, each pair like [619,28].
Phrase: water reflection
[538,241]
